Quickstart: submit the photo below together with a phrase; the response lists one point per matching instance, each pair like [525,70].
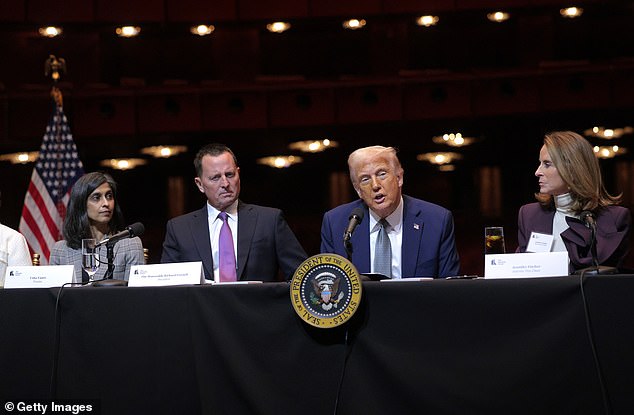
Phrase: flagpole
[56,169]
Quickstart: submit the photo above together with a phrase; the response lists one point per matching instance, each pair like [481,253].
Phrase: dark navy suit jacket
[266,244]
[428,246]
[613,228]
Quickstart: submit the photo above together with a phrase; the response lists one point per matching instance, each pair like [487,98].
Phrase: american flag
[56,170]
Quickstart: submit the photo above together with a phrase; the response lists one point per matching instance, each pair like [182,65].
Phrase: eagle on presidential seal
[326,291]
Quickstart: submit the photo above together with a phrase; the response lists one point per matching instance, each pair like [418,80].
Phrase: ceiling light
[454,140]
[608,133]
[280,162]
[313,146]
[20,158]
[498,16]
[608,152]
[278,27]
[439,158]
[123,164]
[571,12]
[128,31]
[163,151]
[354,24]
[50,31]
[202,30]
[427,21]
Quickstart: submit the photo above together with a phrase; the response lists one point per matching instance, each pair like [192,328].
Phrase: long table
[515,346]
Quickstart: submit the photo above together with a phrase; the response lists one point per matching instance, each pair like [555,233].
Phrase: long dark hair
[76,223]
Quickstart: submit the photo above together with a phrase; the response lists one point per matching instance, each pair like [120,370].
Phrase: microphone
[131,231]
[588,219]
[355,219]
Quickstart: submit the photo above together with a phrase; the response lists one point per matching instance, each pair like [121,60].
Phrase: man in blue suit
[263,244]
[421,234]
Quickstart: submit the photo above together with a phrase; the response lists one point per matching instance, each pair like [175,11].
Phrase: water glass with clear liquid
[89,260]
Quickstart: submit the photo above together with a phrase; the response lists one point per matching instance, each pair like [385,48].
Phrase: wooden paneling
[12,10]
[350,8]
[419,7]
[369,104]
[505,96]
[301,107]
[130,12]
[272,9]
[168,112]
[104,116]
[59,11]
[578,90]
[196,11]
[238,110]
[441,99]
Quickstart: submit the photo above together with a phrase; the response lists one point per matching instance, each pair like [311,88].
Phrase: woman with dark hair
[93,212]
[570,183]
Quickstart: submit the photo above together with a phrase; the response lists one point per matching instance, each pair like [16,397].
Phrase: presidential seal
[326,290]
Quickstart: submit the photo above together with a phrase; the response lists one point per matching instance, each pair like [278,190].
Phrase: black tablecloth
[517,346]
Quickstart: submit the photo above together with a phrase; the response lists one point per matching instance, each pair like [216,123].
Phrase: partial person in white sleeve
[13,248]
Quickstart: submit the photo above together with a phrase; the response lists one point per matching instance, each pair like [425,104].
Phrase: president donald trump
[398,236]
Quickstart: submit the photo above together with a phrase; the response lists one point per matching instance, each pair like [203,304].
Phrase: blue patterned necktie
[383,251]
[226,255]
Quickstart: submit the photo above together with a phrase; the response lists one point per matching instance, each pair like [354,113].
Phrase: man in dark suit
[265,243]
[420,234]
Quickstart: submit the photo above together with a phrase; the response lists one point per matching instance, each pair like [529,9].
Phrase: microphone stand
[595,269]
[348,245]
[108,280]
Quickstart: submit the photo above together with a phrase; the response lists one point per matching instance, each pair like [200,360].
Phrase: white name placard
[526,265]
[156,275]
[44,276]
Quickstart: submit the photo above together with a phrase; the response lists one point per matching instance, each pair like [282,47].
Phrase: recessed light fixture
[163,151]
[439,158]
[20,158]
[571,12]
[498,16]
[278,27]
[454,140]
[608,133]
[279,162]
[354,24]
[202,30]
[128,31]
[50,31]
[123,164]
[313,146]
[427,21]
[608,152]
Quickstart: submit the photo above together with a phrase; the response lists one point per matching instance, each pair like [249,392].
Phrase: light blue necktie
[383,251]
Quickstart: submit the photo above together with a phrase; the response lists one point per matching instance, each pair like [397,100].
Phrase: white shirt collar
[232,211]
[395,219]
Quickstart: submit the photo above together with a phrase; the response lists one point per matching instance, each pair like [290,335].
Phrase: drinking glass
[89,260]
[494,240]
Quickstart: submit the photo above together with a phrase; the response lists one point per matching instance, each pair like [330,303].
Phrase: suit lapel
[361,243]
[200,233]
[413,228]
[247,220]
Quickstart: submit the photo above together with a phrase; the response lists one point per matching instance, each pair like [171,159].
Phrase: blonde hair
[579,168]
[365,153]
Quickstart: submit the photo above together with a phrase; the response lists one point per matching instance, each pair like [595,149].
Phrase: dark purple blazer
[613,228]
[266,244]
[428,246]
